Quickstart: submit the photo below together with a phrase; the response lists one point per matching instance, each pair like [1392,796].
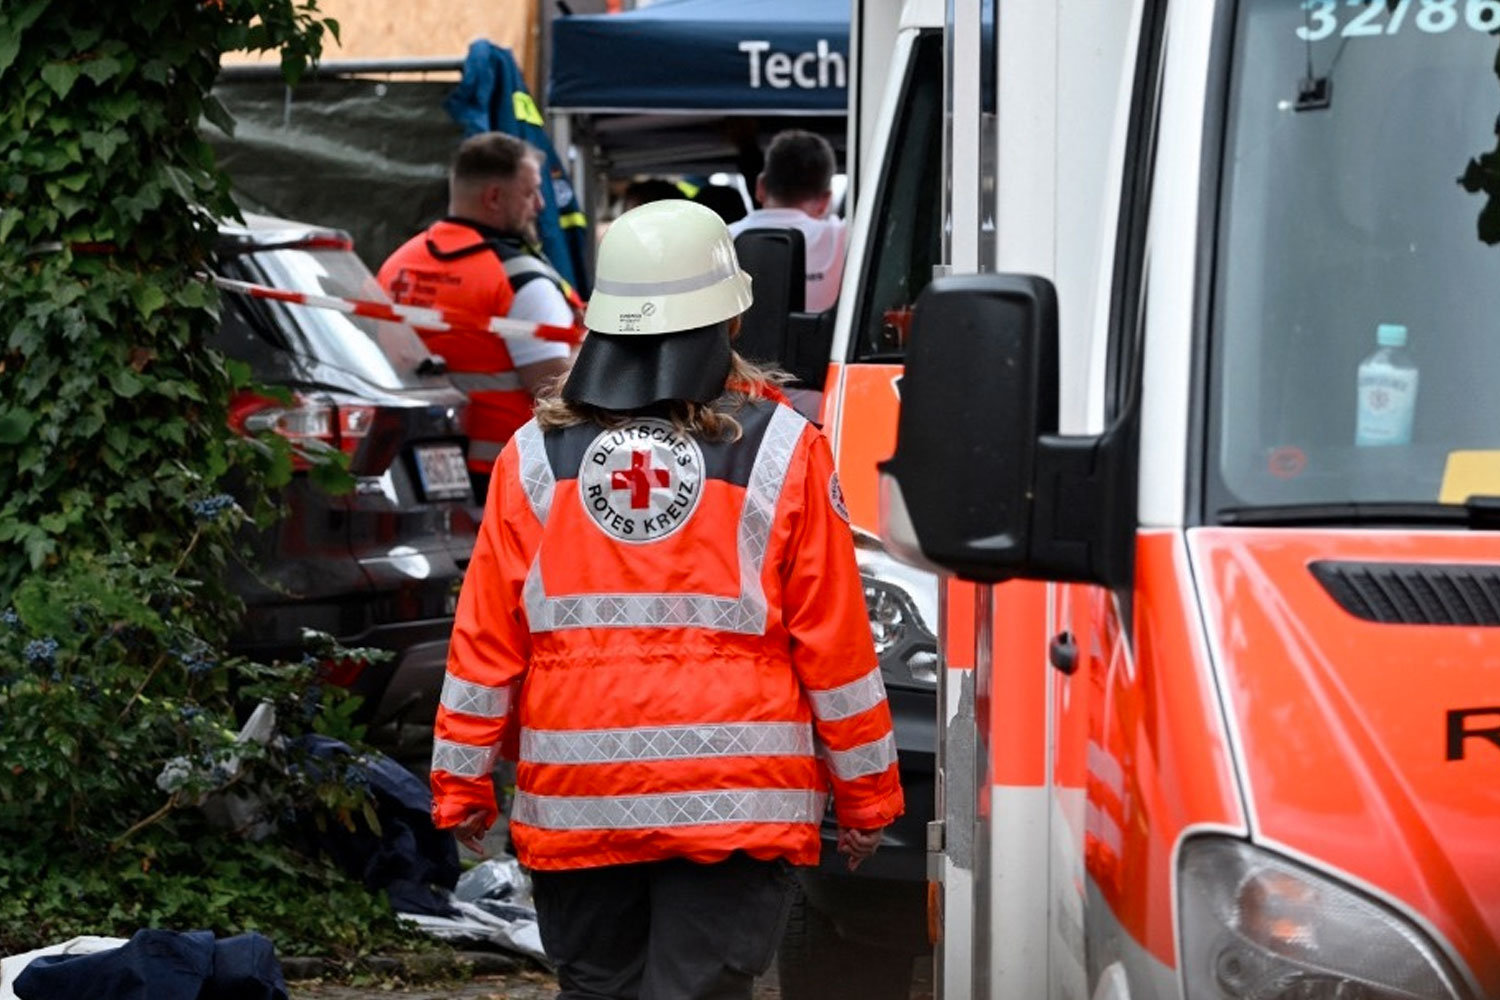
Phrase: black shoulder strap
[521,267]
[461,252]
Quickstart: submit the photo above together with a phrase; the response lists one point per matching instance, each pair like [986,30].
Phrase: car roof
[264,232]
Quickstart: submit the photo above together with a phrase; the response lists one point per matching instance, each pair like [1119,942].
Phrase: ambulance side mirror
[981,484]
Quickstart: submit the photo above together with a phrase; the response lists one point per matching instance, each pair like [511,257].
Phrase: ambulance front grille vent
[1414,593]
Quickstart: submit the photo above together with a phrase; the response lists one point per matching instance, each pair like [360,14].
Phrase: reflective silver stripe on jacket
[643,812]
[479,700]
[744,614]
[867,758]
[604,746]
[536,471]
[487,381]
[851,699]
[462,760]
[484,451]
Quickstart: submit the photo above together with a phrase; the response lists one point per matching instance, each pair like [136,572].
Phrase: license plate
[443,472]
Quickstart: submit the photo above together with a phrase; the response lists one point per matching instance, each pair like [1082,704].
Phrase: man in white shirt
[796,189]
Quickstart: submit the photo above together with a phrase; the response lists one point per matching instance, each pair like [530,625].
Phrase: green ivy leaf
[102,69]
[331,475]
[8,219]
[15,425]
[149,298]
[84,36]
[22,16]
[119,108]
[104,143]
[239,373]
[10,47]
[117,438]
[125,383]
[215,111]
[38,547]
[60,77]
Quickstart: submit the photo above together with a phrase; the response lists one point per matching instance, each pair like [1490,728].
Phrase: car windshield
[384,354]
[1344,223]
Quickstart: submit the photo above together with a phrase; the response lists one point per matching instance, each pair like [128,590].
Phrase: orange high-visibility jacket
[672,634]
[456,264]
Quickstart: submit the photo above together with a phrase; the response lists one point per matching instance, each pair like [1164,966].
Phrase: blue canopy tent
[693,87]
[785,57]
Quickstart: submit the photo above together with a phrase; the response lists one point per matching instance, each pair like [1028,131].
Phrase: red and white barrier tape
[424,319]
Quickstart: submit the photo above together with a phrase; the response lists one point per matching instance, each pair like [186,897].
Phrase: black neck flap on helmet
[631,372]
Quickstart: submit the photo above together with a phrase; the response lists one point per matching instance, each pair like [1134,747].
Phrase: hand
[470,832]
[858,844]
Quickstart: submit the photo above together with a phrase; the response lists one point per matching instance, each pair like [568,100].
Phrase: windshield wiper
[433,364]
[1476,512]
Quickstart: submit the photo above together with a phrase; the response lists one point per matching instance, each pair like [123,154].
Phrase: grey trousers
[663,930]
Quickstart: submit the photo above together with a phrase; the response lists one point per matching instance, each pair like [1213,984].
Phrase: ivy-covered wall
[118,702]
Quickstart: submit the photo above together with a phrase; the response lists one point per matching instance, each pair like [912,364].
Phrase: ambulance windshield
[1355,354]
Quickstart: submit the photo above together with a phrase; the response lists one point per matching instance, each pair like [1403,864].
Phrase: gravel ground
[532,986]
[526,984]
[521,985]
[516,986]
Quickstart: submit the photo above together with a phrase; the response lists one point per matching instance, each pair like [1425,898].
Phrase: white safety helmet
[664,267]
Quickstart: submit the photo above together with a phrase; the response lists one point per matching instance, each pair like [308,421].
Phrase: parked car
[380,566]
[857,934]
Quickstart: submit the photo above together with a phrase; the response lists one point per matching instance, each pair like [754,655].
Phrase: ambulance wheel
[815,962]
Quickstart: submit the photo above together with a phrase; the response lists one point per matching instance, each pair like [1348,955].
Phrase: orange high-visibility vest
[670,634]
[462,265]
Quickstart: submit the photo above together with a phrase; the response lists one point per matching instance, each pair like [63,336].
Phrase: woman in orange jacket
[664,623]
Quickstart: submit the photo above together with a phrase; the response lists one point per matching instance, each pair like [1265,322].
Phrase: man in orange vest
[481,260]
[664,623]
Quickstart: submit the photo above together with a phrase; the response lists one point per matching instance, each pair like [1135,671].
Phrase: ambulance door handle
[1062,651]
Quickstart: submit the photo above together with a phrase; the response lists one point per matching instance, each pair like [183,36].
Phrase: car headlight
[1258,927]
[902,604]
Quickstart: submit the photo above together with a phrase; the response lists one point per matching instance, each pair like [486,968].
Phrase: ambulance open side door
[1036,105]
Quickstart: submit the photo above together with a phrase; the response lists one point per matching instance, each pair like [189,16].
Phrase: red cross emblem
[639,479]
[401,286]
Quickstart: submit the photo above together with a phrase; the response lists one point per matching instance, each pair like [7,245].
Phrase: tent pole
[595,189]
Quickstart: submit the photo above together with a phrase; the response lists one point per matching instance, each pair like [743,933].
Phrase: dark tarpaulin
[412,860]
[749,56]
[364,155]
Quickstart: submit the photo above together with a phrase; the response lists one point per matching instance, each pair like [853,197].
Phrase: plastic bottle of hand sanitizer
[1387,391]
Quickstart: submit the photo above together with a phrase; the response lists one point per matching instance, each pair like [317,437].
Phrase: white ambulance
[1201,406]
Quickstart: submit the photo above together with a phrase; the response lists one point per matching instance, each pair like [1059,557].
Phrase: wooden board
[420,29]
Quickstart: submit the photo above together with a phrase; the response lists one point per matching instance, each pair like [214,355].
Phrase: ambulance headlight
[1257,927]
[902,604]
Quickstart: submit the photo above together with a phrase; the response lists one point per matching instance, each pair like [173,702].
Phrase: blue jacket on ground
[160,965]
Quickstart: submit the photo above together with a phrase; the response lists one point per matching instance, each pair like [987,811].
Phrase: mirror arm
[1084,508]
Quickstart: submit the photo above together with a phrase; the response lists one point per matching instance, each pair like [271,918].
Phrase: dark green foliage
[118,705]
[113,412]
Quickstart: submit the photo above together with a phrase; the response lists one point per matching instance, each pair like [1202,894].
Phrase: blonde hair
[715,421]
